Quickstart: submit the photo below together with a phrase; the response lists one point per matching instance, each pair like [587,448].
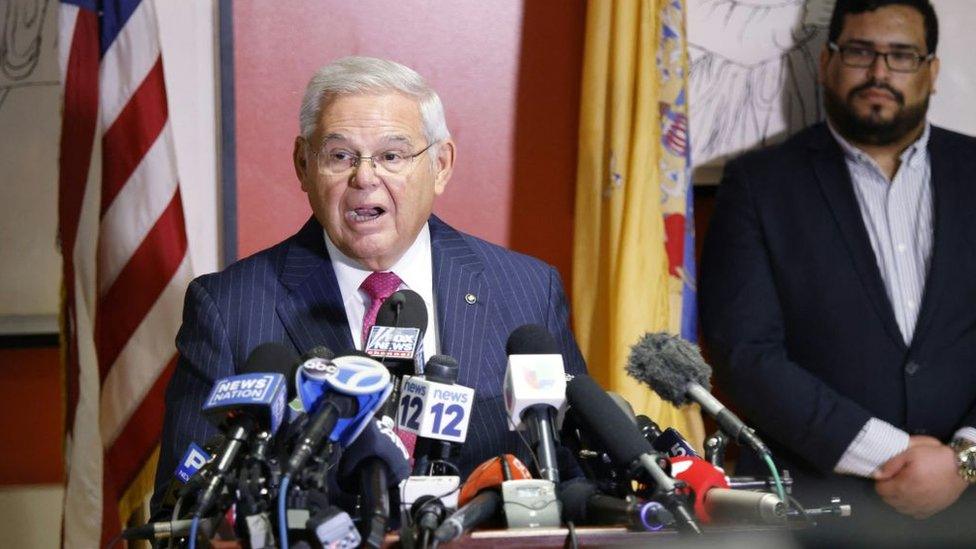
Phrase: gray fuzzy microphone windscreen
[668,363]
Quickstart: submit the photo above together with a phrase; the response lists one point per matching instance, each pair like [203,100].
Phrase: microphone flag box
[262,395]
[532,380]
[193,460]
[434,410]
[396,343]
[673,444]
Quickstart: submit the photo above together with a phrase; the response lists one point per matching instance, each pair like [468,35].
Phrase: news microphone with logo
[481,498]
[397,339]
[438,411]
[583,504]
[626,446]
[676,371]
[535,391]
[241,406]
[716,502]
[341,395]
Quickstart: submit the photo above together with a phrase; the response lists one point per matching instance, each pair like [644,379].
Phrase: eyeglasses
[863,57]
[342,161]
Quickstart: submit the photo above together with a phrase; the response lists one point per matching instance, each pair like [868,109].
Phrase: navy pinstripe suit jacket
[289,294]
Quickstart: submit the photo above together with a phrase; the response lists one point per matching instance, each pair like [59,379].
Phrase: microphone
[676,371]
[397,338]
[584,505]
[535,390]
[480,497]
[625,444]
[155,531]
[716,502]
[341,395]
[379,461]
[438,412]
[593,458]
[243,405]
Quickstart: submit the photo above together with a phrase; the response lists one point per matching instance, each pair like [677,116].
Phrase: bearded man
[837,292]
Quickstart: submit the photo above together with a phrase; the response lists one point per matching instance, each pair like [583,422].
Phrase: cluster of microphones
[310,451]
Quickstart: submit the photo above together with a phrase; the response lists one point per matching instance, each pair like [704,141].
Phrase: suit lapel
[947,212]
[312,311]
[835,182]
[462,300]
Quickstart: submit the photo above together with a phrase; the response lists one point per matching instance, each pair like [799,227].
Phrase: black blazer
[289,294]
[797,319]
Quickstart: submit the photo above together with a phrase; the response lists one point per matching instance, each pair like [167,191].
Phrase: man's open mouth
[365,214]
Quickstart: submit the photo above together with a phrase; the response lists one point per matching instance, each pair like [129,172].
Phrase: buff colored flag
[633,256]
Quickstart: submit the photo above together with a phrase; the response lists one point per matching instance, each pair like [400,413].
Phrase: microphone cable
[525,442]
[780,491]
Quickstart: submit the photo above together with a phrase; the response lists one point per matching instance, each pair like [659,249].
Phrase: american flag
[125,260]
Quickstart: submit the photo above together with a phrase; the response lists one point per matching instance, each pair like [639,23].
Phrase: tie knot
[379,286]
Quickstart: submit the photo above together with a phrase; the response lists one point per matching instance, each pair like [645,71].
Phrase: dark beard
[867,130]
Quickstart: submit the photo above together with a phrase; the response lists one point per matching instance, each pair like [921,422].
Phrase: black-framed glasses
[862,57]
[340,161]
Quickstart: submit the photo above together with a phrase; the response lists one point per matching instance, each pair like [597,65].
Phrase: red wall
[31,416]
[507,72]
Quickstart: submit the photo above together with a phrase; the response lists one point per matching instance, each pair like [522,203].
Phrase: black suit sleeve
[204,355]
[743,327]
[557,322]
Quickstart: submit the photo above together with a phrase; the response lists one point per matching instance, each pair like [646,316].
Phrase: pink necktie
[379,287]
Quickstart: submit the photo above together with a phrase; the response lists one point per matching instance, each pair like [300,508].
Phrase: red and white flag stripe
[126,261]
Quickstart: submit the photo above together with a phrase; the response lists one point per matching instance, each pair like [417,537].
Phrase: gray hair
[365,75]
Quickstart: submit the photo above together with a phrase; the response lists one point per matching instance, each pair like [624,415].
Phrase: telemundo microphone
[676,371]
[715,501]
[535,391]
[626,446]
[242,406]
[481,496]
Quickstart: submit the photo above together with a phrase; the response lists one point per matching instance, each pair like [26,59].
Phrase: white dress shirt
[415,268]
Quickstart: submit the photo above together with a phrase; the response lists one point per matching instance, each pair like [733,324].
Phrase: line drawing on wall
[753,79]
[22,39]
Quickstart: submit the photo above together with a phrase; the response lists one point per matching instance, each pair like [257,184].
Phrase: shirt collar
[415,268]
[914,155]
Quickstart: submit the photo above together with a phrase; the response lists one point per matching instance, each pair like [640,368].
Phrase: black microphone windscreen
[403,309]
[441,369]
[602,418]
[668,363]
[574,495]
[320,351]
[531,339]
[377,443]
[270,357]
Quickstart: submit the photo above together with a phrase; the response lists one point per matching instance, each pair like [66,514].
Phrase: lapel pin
[471,299]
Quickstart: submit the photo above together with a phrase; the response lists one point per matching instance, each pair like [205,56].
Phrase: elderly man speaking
[373,154]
